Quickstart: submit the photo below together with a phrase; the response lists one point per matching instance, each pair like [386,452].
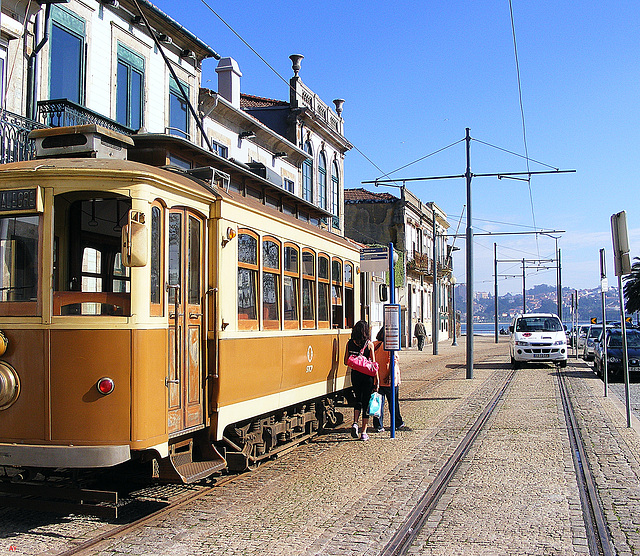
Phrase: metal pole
[392,358]
[603,277]
[559,280]
[469,269]
[453,307]
[435,310]
[625,357]
[495,288]
[524,290]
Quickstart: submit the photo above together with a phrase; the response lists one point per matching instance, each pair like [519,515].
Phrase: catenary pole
[495,289]
[469,230]
[434,302]
[469,263]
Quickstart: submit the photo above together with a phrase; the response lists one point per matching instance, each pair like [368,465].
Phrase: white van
[537,337]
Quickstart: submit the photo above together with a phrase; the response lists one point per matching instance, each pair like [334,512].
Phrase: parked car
[537,337]
[582,336]
[614,353]
[593,334]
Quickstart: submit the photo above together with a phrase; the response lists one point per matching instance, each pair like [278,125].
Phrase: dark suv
[614,353]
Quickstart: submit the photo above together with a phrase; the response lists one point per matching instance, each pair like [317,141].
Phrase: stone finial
[339,102]
[296,59]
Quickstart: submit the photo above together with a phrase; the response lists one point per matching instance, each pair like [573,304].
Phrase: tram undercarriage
[250,442]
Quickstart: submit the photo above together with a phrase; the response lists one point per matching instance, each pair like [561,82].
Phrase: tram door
[185,290]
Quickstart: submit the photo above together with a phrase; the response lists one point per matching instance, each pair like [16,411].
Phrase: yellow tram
[156,315]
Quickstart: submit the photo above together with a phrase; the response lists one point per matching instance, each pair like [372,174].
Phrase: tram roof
[107,164]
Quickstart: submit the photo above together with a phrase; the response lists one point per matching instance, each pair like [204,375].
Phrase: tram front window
[19,258]
[89,277]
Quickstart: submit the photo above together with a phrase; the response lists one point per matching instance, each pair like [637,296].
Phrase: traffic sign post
[394,323]
[622,267]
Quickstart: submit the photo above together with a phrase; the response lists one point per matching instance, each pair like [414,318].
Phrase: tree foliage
[631,288]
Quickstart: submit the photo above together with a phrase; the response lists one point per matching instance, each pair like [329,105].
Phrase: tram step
[181,468]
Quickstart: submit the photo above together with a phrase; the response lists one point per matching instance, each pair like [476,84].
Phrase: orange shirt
[383,357]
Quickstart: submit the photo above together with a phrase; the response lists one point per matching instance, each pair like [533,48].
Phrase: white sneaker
[354,430]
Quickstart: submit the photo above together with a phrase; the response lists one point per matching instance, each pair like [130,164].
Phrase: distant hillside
[541,298]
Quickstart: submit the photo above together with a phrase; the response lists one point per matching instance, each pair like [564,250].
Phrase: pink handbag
[363,365]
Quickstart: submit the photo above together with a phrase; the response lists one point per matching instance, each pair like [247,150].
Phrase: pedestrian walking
[363,385]
[420,332]
[383,357]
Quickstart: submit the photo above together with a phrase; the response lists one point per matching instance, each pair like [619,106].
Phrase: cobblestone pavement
[514,494]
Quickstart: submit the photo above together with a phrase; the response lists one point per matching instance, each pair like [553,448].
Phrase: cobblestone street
[515,493]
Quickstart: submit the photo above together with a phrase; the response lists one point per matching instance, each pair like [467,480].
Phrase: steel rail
[402,540]
[593,514]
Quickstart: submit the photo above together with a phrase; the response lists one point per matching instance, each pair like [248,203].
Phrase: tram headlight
[4,343]
[9,385]
[105,386]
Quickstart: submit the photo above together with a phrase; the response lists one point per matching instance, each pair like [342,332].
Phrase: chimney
[229,80]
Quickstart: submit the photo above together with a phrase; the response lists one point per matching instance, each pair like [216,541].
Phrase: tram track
[402,540]
[598,539]
[593,514]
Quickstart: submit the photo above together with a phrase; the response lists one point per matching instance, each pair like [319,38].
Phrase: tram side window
[308,289]
[247,280]
[336,294]
[89,276]
[349,299]
[19,260]
[270,284]
[291,286]
[323,291]
[156,261]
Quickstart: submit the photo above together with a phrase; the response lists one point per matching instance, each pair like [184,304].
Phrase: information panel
[392,327]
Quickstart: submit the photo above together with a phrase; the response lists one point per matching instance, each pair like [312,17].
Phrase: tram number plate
[634,369]
[541,355]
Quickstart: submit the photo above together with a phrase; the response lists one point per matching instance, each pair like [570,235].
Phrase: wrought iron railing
[14,142]
[63,112]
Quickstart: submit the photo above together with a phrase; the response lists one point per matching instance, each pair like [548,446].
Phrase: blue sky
[415,74]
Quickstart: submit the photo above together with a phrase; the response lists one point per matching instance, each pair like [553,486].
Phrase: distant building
[382,218]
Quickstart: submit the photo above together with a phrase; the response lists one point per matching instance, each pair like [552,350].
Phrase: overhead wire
[524,128]
[278,74]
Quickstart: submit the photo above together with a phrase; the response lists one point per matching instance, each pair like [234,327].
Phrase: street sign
[621,259]
[392,327]
[374,259]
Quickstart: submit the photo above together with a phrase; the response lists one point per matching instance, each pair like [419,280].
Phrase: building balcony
[14,142]
[63,112]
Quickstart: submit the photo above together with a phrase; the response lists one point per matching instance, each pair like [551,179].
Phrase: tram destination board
[19,200]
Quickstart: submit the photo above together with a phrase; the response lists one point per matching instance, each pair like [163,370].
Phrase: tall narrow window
[349,298]
[336,294]
[247,280]
[178,114]
[308,289]
[193,271]
[130,83]
[270,284]
[66,62]
[3,74]
[323,291]
[156,260]
[322,181]
[335,195]
[307,175]
[291,286]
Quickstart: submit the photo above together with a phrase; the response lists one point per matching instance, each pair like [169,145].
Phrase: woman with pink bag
[363,384]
